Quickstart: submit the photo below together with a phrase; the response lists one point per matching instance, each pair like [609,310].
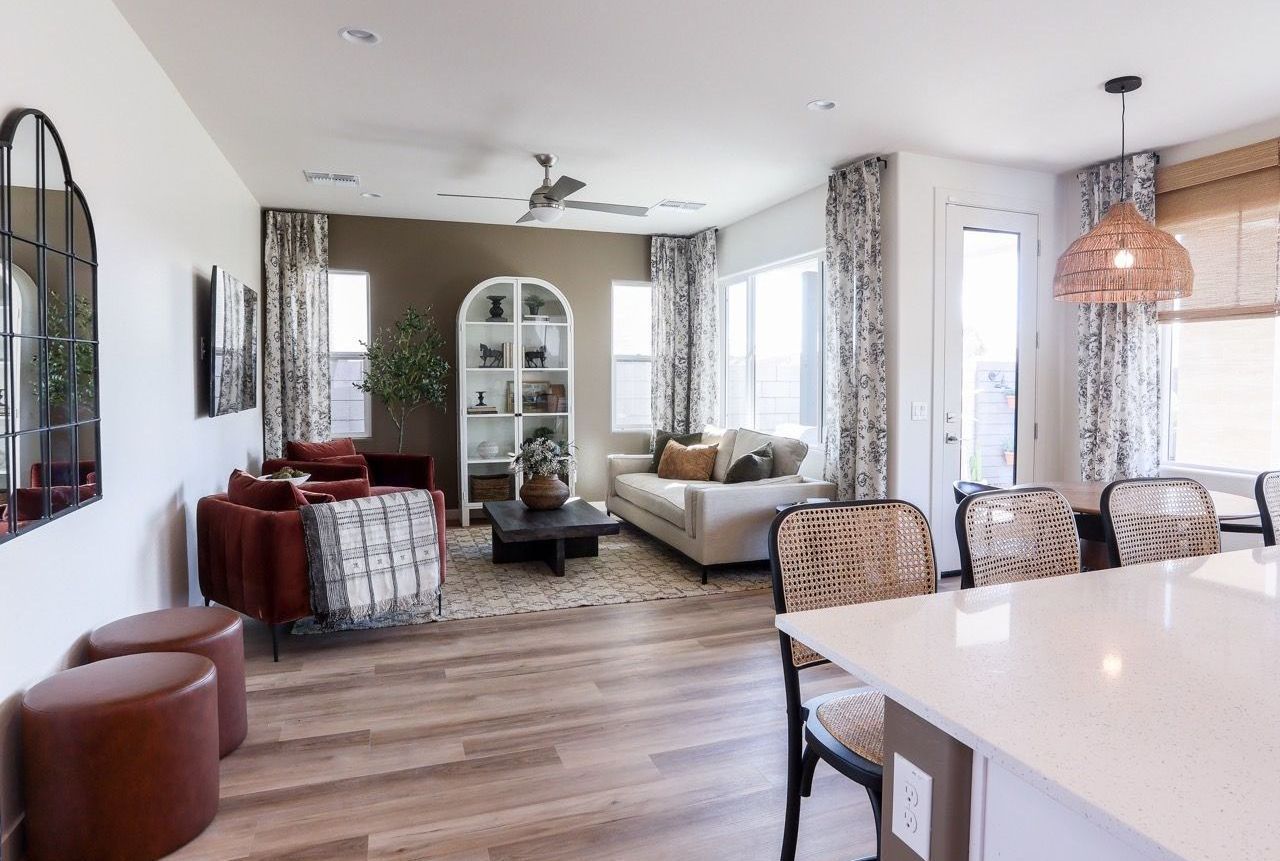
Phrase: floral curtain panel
[1118,387]
[296,355]
[685,383]
[855,397]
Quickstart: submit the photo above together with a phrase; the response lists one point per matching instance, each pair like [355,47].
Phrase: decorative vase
[496,314]
[487,449]
[544,493]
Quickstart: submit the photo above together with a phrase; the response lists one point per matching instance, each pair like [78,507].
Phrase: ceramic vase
[544,492]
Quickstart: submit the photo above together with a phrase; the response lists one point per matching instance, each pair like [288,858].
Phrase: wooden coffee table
[569,532]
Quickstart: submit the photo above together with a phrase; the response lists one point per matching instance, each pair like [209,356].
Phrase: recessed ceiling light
[370,194]
[821,105]
[360,37]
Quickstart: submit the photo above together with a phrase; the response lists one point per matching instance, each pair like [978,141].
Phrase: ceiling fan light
[546,214]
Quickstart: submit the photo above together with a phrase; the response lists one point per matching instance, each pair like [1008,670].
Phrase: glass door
[987,430]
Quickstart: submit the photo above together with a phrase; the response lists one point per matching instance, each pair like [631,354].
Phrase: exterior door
[986,431]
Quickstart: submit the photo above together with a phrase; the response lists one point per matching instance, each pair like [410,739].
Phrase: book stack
[506,354]
[511,397]
[556,400]
[487,409]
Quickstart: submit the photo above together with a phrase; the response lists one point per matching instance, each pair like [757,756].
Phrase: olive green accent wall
[420,263]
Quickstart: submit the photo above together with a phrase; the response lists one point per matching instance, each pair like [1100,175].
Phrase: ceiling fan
[547,203]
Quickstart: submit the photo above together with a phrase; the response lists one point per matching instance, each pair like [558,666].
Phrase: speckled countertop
[1145,698]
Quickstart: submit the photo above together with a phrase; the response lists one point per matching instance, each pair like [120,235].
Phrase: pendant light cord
[1124,185]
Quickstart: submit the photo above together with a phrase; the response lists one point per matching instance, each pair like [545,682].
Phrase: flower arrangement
[540,457]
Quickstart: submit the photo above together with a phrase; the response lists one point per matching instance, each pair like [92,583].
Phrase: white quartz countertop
[1145,698]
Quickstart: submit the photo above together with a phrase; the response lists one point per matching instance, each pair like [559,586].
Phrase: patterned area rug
[631,567]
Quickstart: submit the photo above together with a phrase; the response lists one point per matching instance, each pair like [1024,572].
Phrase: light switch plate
[919,411]
[912,805]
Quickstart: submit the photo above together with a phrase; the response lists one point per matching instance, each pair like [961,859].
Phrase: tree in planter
[406,370]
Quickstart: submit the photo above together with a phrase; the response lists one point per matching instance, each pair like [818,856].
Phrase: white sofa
[711,522]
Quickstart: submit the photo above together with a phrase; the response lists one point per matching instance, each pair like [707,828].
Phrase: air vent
[343,180]
[687,205]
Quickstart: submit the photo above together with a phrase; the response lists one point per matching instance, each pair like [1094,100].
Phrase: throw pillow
[788,453]
[348,488]
[687,462]
[660,444]
[244,489]
[752,466]
[319,450]
[347,459]
[316,498]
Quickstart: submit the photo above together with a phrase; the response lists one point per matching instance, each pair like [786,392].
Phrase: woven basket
[491,488]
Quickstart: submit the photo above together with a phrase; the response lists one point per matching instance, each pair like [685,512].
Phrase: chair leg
[275,642]
[440,602]
[207,602]
[874,796]
[806,771]
[704,575]
[791,825]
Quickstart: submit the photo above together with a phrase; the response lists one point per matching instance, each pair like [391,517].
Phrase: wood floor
[637,731]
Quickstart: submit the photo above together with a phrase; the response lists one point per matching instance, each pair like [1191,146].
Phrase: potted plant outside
[1008,453]
[542,463]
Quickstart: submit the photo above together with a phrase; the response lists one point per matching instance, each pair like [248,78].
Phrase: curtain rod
[884,163]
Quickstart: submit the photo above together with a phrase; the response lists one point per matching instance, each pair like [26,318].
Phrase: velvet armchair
[416,471]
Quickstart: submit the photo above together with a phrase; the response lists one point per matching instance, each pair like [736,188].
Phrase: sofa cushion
[319,450]
[752,466]
[244,489]
[660,443]
[788,453]
[660,497]
[347,488]
[346,460]
[687,463]
[314,498]
[723,437]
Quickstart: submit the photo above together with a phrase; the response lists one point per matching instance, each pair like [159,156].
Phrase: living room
[649,338]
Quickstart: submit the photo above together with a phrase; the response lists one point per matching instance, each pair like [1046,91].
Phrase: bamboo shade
[1226,210]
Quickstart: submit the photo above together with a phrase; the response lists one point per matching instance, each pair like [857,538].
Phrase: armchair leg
[440,602]
[275,642]
[206,602]
[704,574]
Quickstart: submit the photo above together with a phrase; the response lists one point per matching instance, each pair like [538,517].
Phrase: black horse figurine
[539,355]
[490,357]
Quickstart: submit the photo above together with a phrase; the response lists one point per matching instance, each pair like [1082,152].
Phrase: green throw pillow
[660,442]
[753,466]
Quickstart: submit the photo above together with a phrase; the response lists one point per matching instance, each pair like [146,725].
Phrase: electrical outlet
[912,805]
[919,411]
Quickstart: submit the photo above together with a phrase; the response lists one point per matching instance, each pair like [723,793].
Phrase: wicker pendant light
[1124,258]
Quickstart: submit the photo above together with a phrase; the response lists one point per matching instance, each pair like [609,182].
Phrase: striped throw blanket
[369,556]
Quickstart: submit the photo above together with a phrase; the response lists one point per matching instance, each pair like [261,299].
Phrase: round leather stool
[120,758]
[214,632]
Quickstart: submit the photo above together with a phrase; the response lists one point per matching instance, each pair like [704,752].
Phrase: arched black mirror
[49,440]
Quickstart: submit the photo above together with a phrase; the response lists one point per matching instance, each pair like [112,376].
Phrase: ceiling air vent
[339,180]
[685,205]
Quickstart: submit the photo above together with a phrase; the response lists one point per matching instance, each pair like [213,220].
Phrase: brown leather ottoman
[215,632]
[120,758]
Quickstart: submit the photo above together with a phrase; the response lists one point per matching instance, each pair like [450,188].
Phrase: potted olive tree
[406,370]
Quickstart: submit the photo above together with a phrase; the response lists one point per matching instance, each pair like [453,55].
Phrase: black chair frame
[1264,510]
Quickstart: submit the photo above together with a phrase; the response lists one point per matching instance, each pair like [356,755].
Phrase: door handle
[952,438]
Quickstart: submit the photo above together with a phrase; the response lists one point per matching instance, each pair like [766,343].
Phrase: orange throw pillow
[687,462]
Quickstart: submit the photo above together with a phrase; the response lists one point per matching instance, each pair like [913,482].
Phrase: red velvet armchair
[416,471]
[255,561]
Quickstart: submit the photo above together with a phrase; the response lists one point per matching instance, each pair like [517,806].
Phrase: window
[632,355]
[772,351]
[348,328]
[1221,345]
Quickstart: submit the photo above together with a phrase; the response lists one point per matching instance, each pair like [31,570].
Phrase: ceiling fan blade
[565,186]
[528,216]
[481,196]
[615,208]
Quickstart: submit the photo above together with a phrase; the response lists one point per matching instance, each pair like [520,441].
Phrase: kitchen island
[1120,715]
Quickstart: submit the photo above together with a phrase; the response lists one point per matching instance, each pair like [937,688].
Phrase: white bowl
[299,480]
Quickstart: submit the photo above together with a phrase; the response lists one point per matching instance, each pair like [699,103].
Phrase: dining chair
[967,488]
[1267,491]
[1153,519]
[1010,535]
[832,554]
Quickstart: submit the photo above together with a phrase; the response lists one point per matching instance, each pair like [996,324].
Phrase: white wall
[166,206]
[789,229]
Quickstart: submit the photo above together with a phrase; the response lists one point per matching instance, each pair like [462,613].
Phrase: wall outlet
[919,411]
[912,805]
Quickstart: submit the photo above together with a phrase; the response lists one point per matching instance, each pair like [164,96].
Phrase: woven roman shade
[1123,259]
[1225,209]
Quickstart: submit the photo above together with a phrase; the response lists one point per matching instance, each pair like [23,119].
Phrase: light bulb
[1124,259]
[547,214]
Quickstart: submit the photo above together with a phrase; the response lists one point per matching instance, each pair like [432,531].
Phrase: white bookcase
[525,372]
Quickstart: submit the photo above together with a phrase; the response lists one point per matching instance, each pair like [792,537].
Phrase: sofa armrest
[621,464]
[401,470]
[743,512]
[252,561]
[319,470]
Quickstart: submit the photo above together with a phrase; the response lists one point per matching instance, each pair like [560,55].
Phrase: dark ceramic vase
[544,493]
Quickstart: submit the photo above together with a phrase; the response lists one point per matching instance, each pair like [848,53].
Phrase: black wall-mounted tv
[233,345]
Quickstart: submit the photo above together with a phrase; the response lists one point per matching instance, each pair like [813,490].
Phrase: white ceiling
[688,99]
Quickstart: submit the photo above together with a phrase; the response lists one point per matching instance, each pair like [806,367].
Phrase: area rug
[631,567]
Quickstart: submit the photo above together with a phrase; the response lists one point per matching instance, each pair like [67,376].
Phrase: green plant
[61,355]
[542,457]
[406,369]
[534,303]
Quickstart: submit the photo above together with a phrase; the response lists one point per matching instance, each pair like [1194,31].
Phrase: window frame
[348,354]
[749,275]
[615,358]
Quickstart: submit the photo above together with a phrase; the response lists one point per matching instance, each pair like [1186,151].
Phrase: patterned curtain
[684,389]
[1118,388]
[296,358]
[855,398]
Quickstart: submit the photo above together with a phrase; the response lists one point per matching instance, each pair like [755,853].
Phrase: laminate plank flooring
[637,731]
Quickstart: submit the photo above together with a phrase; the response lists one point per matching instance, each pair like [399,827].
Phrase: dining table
[1236,513]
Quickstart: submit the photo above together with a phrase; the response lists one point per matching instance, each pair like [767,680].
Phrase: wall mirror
[49,440]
